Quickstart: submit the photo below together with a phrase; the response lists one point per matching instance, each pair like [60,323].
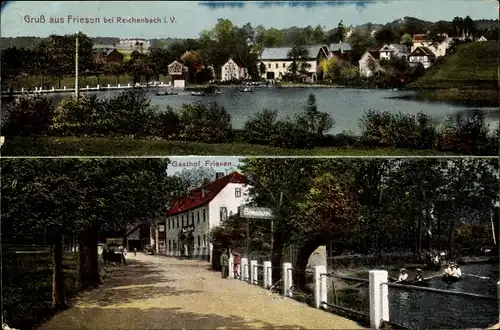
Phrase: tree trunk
[88,272]
[58,296]
[299,275]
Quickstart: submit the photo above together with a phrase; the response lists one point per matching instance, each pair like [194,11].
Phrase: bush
[289,135]
[466,135]
[166,124]
[208,123]
[129,113]
[261,127]
[27,116]
[382,128]
[82,116]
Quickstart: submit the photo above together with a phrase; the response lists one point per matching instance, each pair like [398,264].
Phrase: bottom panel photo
[229,242]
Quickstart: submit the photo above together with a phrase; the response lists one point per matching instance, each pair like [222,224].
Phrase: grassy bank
[468,97]
[30,82]
[76,146]
[27,287]
[471,66]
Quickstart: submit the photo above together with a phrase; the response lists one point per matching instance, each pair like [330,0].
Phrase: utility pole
[77,87]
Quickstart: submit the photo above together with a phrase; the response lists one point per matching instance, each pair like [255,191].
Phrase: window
[276,65]
[237,192]
[204,240]
[198,216]
[168,223]
[174,245]
[182,221]
[204,214]
[199,241]
[284,65]
[192,218]
[223,213]
[269,65]
[177,221]
[170,245]
[161,228]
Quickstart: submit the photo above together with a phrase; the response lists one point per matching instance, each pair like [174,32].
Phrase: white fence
[378,287]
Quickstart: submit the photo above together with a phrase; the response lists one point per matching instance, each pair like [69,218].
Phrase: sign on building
[187,229]
[250,212]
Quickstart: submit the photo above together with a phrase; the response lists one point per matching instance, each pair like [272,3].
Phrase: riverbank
[32,82]
[121,146]
[467,97]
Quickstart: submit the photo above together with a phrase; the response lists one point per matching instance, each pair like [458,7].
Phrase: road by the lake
[154,292]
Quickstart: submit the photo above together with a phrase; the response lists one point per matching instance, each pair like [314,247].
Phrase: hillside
[473,65]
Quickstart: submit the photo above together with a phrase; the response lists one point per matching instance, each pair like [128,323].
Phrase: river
[345,105]
[429,310]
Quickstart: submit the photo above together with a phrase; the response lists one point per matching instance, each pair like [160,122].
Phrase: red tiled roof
[419,37]
[205,194]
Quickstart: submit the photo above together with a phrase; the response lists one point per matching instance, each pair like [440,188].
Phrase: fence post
[320,289]
[230,267]
[379,298]
[287,279]
[268,275]
[244,269]
[253,272]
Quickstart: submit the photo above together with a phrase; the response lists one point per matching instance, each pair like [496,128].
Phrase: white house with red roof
[185,231]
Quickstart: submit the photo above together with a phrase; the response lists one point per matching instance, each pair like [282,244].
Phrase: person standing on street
[224,262]
[236,265]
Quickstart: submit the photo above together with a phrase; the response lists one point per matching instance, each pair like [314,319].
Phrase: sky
[217,163]
[186,19]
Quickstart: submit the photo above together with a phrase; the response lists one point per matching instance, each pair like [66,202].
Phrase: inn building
[185,231]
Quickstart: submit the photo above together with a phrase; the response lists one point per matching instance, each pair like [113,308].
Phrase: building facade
[422,55]
[438,48]
[185,231]
[277,62]
[369,64]
[233,70]
[178,73]
[393,51]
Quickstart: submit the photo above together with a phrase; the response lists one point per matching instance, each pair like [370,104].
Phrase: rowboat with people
[198,93]
[452,273]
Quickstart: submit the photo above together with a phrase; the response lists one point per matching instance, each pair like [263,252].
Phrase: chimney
[219,175]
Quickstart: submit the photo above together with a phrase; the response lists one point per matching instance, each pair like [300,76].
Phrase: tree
[298,54]
[327,212]
[194,178]
[340,33]
[314,121]
[407,40]
[83,196]
[385,36]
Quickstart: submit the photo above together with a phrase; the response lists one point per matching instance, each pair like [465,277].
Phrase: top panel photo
[338,78]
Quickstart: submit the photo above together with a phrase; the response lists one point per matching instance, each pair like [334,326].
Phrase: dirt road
[165,293]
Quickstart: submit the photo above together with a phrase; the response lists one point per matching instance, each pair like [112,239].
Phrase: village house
[422,55]
[178,73]
[107,54]
[233,70]
[438,48]
[185,232]
[340,50]
[277,61]
[393,51]
[369,63]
